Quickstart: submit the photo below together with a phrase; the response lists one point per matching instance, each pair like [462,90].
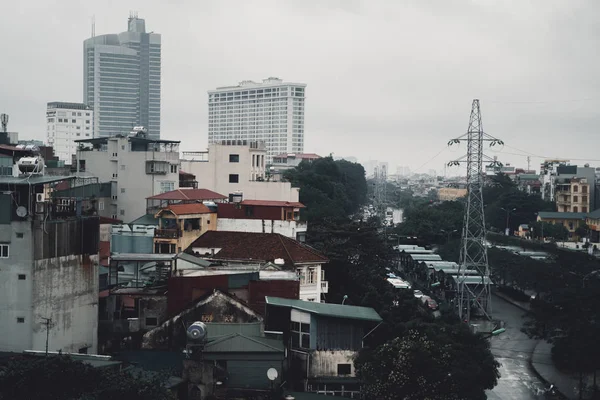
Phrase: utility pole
[473,250]
[528,163]
[47,322]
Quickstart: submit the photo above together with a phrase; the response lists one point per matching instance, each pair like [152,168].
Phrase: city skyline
[399,101]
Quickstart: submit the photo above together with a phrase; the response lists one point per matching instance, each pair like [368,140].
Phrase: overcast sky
[387,79]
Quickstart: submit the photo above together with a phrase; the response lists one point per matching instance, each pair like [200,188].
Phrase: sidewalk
[541,360]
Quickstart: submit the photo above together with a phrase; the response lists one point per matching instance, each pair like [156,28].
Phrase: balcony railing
[167,233]
[324,286]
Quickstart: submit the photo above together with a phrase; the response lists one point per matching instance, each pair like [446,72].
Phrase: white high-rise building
[67,122]
[121,80]
[271,112]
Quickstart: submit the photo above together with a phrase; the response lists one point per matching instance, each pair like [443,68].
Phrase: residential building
[283,162]
[121,80]
[135,237]
[262,216]
[232,359]
[322,341]
[136,167]
[266,250]
[451,193]
[65,123]
[48,263]
[237,166]
[529,183]
[573,195]
[92,198]
[182,196]
[271,111]
[592,220]
[570,220]
[187,180]
[181,224]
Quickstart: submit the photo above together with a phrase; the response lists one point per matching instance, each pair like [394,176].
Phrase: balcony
[324,287]
[167,233]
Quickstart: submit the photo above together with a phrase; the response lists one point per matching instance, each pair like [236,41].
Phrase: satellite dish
[197,331]
[21,212]
[272,374]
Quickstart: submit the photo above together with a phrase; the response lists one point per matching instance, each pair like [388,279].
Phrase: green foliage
[557,232]
[431,361]
[433,221]
[61,378]
[329,189]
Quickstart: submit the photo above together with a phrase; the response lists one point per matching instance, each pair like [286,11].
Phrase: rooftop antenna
[4,121]
[93,25]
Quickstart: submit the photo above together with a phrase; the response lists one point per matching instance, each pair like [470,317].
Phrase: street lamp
[448,234]
[507,219]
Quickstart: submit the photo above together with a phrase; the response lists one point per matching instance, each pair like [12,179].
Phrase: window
[22,277]
[584,199]
[122,147]
[4,250]
[575,199]
[300,333]
[100,206]
[344,369]
[234,158]
[173,168]
[122,212]
[234,178]
[122,167]
[576,189]
[73,114]
[249,211]
[167,186]
[301,276]
[584,209]
[575,209]
[122,190]
[87,121]
[311,276]
[19,235]
[20,320]
[73,121]
[151,321]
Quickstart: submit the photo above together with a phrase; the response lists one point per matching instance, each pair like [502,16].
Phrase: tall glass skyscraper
[121,74]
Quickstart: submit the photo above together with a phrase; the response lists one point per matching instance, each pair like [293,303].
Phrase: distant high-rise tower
[121,74]
[271,111]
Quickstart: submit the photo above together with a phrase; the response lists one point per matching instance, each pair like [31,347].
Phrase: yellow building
[180,225]
[570,220]
[573,196]
[451,194]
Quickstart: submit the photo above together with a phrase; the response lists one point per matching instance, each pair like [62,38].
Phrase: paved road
[513,349]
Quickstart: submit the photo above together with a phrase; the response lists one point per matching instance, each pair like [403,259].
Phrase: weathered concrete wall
[15,293]
[65,289]
[325,363]
[285,228]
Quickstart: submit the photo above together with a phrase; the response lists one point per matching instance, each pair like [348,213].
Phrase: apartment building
[573,195]
[271,111]
[67,122]
[237,166]
[48,263]
[136,166]
[121,80]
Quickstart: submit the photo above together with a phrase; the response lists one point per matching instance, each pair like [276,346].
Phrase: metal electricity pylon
[473,251]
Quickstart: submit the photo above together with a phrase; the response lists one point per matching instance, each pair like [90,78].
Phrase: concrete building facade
[137,168]
[121,80]
[237,166]
[271,111]
[65,123]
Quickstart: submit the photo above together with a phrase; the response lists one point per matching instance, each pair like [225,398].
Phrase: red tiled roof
[189,194]
[247,246]
[186,209]
[273,203]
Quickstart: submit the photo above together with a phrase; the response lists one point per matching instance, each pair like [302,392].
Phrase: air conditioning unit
[40,197]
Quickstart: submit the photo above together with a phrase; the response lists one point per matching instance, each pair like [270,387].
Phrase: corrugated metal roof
[147,219]
[426,257]
[239,343]
[326,309]
[272,203]
[217,330]
[33,180]
[473,280]
[142,257]
[561,215]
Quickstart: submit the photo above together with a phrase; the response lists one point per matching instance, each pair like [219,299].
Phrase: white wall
[74,124]
[214,174]
[285,228]
[128,171]
[66,290]
[311,291]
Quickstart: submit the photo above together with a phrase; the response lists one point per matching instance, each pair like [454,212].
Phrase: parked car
[418,294]
[429,303]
